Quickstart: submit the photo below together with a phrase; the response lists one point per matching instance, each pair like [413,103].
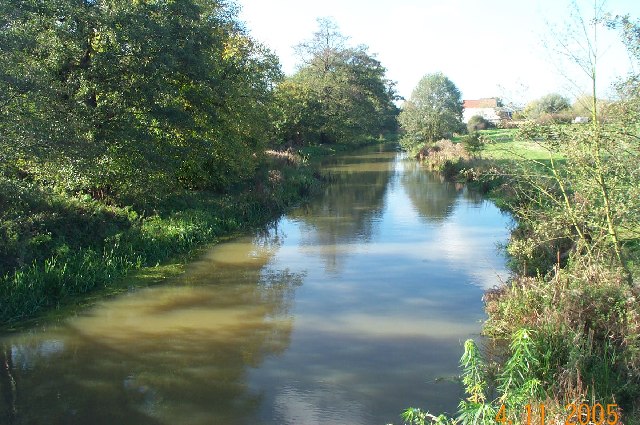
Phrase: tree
[552,103]
[338,95]
[99,90]
[323,52]
[434,111]
[592,198]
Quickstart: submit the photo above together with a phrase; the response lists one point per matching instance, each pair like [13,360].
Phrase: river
[346,310]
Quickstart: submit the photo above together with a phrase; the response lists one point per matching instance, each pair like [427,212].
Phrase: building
[489,108]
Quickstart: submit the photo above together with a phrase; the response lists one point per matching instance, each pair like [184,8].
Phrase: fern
[517,385]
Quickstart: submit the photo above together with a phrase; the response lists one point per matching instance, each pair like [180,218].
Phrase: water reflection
[351,207]
[373,335]
[346,310]
[431,195]
[172,354]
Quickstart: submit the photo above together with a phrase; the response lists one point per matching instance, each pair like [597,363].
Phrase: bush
[473,143]
[477,123]
[508,124]
[443,156]
[586,321]
[558,118]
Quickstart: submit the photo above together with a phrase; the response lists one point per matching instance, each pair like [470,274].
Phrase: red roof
[490,102]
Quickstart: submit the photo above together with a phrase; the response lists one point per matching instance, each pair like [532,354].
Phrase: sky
[488,48]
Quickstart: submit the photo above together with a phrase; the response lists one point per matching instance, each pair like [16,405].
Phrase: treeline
[117,113]
[119,97]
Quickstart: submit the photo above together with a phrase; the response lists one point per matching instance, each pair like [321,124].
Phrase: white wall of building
[490,114]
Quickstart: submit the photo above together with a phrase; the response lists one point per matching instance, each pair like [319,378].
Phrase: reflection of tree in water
[9,408]
[170,354]
[473,196]
[430,194]
[353,201]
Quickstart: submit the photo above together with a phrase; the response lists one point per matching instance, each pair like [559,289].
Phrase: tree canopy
[552,103]
[339,94]
[119,95]
[434,111]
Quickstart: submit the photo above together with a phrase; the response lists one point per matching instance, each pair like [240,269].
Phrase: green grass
[504,145]
[56,247]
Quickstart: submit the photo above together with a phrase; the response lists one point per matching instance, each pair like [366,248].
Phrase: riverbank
[568,320]
[271,311]
[59,247]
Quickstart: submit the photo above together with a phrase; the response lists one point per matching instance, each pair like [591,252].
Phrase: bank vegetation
[131,132]
[565,330]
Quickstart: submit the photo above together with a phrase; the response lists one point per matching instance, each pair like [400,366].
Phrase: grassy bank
[57,246]
[566,328]
[502,144]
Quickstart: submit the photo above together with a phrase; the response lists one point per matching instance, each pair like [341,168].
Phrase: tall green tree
[119,96]
[552,103]
[591,199]
[338,95]
[434,111]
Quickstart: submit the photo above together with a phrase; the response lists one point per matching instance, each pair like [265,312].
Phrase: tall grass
[102,251]
[586,323]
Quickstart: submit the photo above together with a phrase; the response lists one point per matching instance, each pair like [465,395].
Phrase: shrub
[477,123]
[586,321]
[556,118]
[508,124]
[444,156]
[473,143]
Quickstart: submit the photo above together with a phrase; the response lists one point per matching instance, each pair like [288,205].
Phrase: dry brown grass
[443,154]
[288,157]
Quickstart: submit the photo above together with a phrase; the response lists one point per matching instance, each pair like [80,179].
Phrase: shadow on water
[174,354]
[351,206]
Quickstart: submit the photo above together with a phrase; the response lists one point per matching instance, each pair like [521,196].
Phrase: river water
[345,311]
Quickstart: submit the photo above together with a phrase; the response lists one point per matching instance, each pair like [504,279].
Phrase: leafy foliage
[339,94]
[433,112]
[473,143]
[516,384]
[99,91]
[550,104]
[589,199]
[478,122]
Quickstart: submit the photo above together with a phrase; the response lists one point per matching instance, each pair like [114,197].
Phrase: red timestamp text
[577,414]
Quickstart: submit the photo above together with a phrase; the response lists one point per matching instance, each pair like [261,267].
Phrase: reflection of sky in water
[27,357]
[347,311]
[377,325]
